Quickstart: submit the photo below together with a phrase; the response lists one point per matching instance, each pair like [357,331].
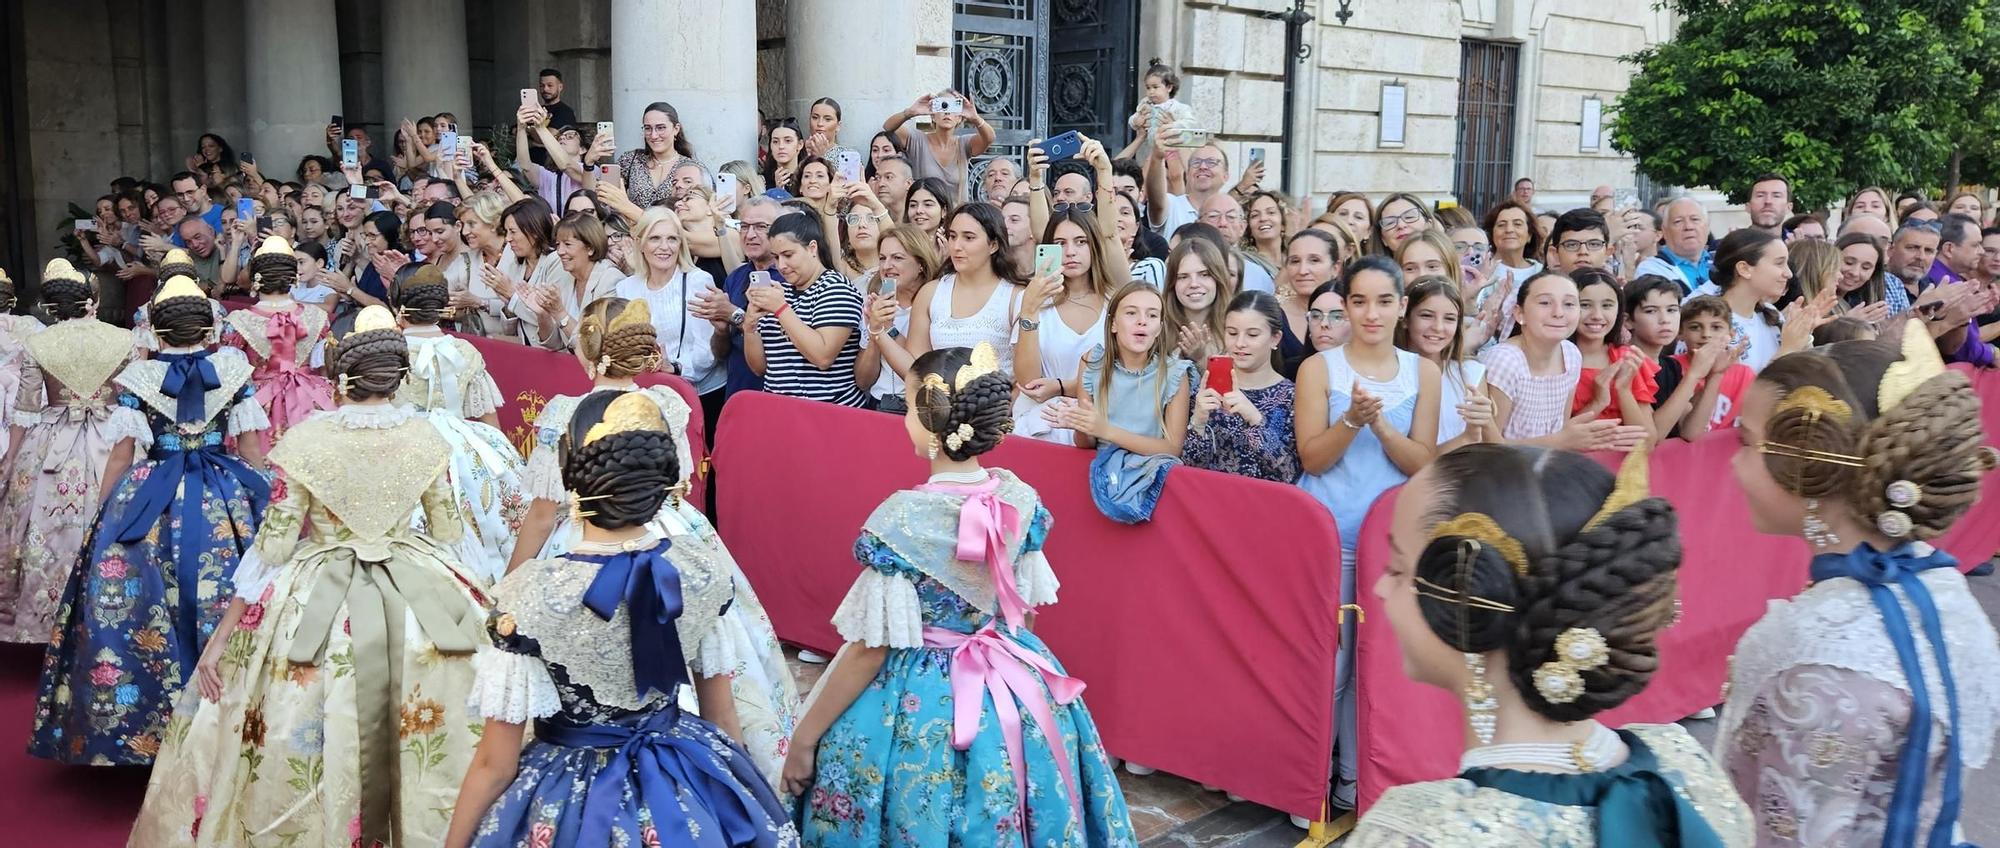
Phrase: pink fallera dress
[284,344]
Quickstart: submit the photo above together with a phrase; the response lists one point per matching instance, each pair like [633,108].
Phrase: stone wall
[1412,43]
[1232,65]
[79,101]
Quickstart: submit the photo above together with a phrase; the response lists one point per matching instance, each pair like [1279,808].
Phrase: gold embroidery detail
[82,354]
[372,500]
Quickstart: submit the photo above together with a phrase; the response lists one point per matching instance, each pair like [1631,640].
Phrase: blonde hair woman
[665,277]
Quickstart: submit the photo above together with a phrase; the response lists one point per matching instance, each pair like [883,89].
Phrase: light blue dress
[1347,490]
[889,771]
[1126,486]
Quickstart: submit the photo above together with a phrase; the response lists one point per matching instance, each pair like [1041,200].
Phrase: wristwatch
[1028,326]
[736,318]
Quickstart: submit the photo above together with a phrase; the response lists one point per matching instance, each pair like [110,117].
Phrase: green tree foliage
[1833,94]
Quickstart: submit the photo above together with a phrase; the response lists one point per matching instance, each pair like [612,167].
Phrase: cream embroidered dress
[14,331]
[767,700]
[448,380]
[343,714]
[68,408]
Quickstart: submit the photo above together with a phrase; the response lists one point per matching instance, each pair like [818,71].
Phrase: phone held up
[1222,374]
[1062,147]
[846,164]
[1048,259]
[725,184]
[760,278]
[529,99]
[947,105]
[350,153]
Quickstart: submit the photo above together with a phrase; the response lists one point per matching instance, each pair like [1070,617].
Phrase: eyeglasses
[1572,245]
[1221,217]
[855,219]
[1326,316]
[748,227]
[656,129]
[1472,248]
[1407,219]
[1079,206]
[1205,162]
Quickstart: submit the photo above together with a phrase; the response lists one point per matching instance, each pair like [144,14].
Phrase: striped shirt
[829,302]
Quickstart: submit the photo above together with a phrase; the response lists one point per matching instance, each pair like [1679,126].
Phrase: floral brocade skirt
[888,774]
[51,503]
[276,762]
[122,649]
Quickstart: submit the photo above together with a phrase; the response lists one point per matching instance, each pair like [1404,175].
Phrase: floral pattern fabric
[1229,444]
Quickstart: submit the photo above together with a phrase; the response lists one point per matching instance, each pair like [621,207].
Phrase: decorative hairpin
[1815,403]
[1480,527]
[1630,488]
[1919,364]
[628,413]
[960,436]
[1578,649]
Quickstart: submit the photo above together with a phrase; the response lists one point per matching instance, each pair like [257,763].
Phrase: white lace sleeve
[881,611]
[511,687]
[714,654]
[318,359]
[543,478]
[252,576]
[128,423]
[1037,582]
[247,416]
[482,396]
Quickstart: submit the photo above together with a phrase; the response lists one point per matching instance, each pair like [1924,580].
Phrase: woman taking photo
[648,169]
[1247,430]
[910,260]
[859,248]
[979,301]
[381,244]
[1062,317]
[808,327]
[1311,261]
[940,152]
[1198,290]
[1367,417]
[1432,330]
[668,281]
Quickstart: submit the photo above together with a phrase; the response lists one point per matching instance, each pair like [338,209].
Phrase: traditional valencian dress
[14,331]
[286,345]
[971,734]
[448,380]
[1666,793]
[767,700]
[593,647]
[345,683]
[156,579]
[1855,707]
[68,405]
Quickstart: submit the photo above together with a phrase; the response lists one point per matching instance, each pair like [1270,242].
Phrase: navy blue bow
[661,763]
[650,588]
[189,377]
[1879,571]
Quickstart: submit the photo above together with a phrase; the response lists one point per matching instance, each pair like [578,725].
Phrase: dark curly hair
[985,403]
[626,476]
[370,364]
[1617,578]
[1933,438]
[182,321]
[66,297]
[424,298]
[273,273]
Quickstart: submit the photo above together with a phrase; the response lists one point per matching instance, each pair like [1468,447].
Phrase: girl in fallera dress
[176,263]
[1534,585]
[950,570]
[155,579]
[448,381]
[594,647]
[329,709]
[284,338]
[1855,708]
[66,423]
[616,342]
[14,331]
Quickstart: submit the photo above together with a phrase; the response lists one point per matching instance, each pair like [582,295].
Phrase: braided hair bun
[65,292]
[624,477]
[1616,578]
[274,272]
[182,321]
[978,413]
[370,364]
[617,338]
[424,298]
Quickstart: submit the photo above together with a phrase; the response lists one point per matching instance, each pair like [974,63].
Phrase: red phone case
[1222,374]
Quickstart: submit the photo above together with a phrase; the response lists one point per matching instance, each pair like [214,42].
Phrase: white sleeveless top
[1063,350]
[992,324]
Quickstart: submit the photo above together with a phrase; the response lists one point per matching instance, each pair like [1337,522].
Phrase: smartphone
[244,211]
[263,223]
[1064,146]
[528,98]
[339,122]
[88,225]
[725,184]
[359,191]
[885,287]
[1048,259]
[760,278]
[1256,156]
[350,153]
[246,157]
[604,172]
[1192,138]
[372,192]
[1222,374]
[947,105]
[847,165]
[603,131]
[448,143]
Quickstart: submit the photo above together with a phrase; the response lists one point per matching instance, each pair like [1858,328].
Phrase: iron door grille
[1000,57]
[1483,171]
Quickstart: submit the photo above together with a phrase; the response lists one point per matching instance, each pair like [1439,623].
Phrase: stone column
[861,53]
[701,59]
[221,50]
[293,75]
[424,61]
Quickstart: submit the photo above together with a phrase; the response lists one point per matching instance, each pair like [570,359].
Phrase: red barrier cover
[529,376]
[1206,636]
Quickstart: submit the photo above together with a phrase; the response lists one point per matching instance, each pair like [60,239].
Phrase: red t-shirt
[1728,396]
[1644,387]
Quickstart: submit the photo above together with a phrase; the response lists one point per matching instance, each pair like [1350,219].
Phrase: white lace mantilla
[511,687]
[1836,624]
[373,416]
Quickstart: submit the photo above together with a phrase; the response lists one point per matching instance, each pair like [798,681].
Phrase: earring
[1817,533]
[932,451]
[1480,706]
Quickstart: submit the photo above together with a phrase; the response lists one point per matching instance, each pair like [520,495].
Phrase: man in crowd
[550,87]
[193,196]
[1911,256]
[1804,227]
[1524,192]
[891,181]
[1207,176]
[999,179]
[216,264]
[724,308]
[1873,226]
[1958,251]
[1070,181]
[1770,203]
[1601,199]
[1580,239]
[1225,213]
[1685,257]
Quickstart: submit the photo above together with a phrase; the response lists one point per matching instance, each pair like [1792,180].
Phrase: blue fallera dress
[155,579]
[971,733]
[593,647]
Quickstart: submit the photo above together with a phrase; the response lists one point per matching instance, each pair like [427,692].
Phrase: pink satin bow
[1002,667]
[284,331]
[985,524]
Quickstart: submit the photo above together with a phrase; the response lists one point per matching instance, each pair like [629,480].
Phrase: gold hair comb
[984,362]
[1480,527]
[1815,403]
[1919,364]
[1630,488]
[179,286]
[634,411]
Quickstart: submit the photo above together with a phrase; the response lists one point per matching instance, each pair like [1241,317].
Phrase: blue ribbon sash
[650,586]
[1635,805]
[656,758]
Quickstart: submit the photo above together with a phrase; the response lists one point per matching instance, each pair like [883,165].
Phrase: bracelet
[781,311]
[1350,425]
[1059,387]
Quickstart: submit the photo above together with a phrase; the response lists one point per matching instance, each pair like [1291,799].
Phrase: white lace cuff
[716,655]
[252,576]
[247,416]
[24,419]
[317,360]
[482,397]
[881,611]
[511,687]
[1037,582]
[543,478]
[128,423]
[143,338]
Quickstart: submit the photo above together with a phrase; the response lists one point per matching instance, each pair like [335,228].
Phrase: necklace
[1601,751]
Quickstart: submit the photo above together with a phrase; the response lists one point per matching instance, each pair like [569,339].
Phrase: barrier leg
[1322,833]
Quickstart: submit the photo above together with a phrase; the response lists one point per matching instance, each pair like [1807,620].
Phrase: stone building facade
[97,88]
